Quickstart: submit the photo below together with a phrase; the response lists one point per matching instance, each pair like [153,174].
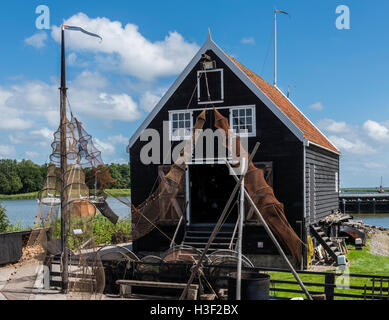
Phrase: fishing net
[86,274]
[164,203]
[263,196]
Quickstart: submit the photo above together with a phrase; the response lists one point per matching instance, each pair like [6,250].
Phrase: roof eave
[308,142]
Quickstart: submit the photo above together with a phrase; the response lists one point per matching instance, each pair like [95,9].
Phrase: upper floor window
[243,118]
[181,125]
[211,80]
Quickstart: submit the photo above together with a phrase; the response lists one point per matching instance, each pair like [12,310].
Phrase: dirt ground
[379,244]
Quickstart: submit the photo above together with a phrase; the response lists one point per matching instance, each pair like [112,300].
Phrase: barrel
[254,286]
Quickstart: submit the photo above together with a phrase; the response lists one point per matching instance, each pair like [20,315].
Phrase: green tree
[4,184]
[4,222]
[30,175]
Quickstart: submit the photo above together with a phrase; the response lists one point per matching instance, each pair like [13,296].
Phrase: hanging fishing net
[263,196]
[164,203]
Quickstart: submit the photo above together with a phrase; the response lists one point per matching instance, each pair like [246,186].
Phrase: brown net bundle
[160,205]
[263,196]
[163,204]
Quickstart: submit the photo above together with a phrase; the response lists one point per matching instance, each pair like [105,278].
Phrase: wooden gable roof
[273,98]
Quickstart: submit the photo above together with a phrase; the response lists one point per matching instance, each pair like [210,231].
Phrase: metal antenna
[275,43]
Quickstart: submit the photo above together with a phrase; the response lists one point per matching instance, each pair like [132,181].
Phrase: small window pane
[187,116]
[243,119]
[181,124]
[181,116]
[175,116]
[175,125]
[187,124]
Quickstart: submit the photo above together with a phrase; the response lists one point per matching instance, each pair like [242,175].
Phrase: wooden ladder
[330,247]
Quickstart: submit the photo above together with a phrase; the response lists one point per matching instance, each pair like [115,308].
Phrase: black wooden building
[301,164]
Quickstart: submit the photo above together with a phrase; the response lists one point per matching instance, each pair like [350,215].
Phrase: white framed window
[215,81]
[181,125]
[243,118]
[336,182]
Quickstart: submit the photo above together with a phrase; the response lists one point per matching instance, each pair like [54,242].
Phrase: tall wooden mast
[64,215]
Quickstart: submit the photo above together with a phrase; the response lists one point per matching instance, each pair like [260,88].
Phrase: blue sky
[338,78]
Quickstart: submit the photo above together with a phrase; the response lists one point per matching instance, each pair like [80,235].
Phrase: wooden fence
[332,286]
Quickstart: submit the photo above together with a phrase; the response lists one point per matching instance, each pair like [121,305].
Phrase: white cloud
[333,126]
[90,97]
[124,48]
[376,131]
[11,117]
[32,154]
[352,147]
[14,140]
[118,139]
[148,100]
[72,58]
[44,133]
[7,151]
[106,148]
[37,40]
[89,94]
[248,40]
[318,106]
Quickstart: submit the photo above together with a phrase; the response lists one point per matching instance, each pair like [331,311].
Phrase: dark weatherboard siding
[278,145]
[321,195]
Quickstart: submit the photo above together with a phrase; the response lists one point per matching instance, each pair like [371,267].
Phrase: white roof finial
[209,37]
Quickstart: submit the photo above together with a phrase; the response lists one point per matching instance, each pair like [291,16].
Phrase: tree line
[26,176]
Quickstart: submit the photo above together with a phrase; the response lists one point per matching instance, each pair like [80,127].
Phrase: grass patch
[21,196]
[16,227]
[106,232]
[361,262]
[118,192]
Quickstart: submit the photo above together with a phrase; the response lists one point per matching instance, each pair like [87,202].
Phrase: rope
[142,215]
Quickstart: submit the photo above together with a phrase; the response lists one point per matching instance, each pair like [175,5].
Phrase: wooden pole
[240,234]
[64,218]
[272,237]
